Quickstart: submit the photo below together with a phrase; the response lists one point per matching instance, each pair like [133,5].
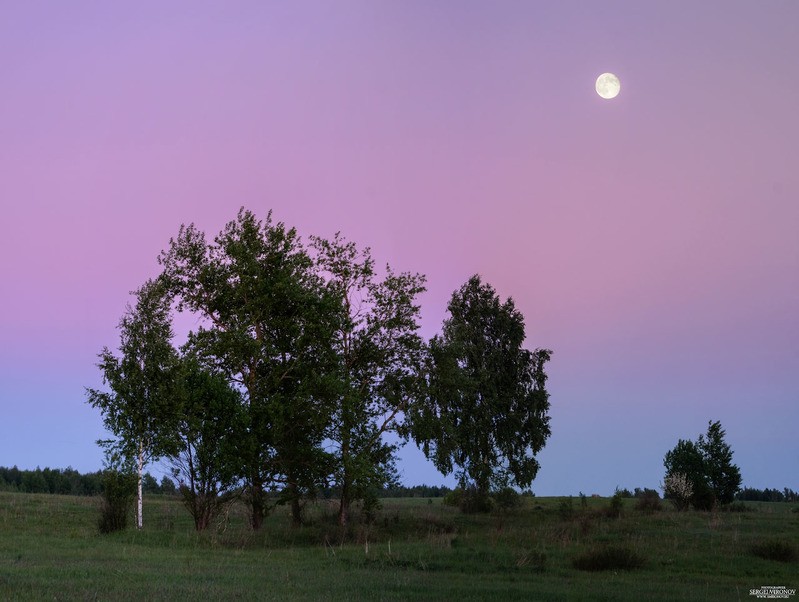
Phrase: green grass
[50,548]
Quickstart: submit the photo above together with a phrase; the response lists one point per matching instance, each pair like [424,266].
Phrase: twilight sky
[651,241]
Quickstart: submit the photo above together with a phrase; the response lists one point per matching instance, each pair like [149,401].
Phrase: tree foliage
[268,323]
[485,413]
[707,466]
[378,359]
[208,432]
[140,407]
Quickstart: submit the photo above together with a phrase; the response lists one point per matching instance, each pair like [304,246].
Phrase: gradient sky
[651,241]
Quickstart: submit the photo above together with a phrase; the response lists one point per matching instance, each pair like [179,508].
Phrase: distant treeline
[66,481]
[69,481]
[749,494]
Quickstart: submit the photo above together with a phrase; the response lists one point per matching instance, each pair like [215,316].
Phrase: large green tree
[379,356]
[140,407]
[268,319]
[485,414]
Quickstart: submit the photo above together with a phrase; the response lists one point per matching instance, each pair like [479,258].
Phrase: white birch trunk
[139,497]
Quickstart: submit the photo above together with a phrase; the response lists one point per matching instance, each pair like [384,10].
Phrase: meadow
[412,549]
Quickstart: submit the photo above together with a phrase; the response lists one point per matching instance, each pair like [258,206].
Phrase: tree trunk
[296,510]
[257,505]
[344,505]
[139,523]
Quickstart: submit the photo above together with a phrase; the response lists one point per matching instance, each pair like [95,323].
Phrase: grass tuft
[775,549]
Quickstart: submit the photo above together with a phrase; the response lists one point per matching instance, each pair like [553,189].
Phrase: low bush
[616,506]
[470,500]
[119,491]
[566,508]
[775,549]
[507,498]
[649,503]
[612,558]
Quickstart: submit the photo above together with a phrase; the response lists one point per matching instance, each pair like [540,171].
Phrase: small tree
[485,414]
[139,409]
[723,477]
[209,429]
[706,466]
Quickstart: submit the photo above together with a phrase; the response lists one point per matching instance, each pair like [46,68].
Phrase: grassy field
[416,549]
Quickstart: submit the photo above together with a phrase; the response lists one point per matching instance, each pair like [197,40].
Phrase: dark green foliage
[507,498]
[723,477]
[212,423]
[423,491]
[139,410]
[566,508]
[270,322]
[149,484]
[648,501]
[610,558]
[751,494]
[775,549]
[707,463]
[485,412]
[168,486]
[378,364]
[645,492]
[469,500]
[119,491]
[616,506]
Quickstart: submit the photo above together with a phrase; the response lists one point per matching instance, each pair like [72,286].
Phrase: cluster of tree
[701,473]
[66,481]
[417,491]
[638,493]
[750,494]
[304,360]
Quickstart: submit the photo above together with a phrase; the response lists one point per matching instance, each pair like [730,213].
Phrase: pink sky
[651,241]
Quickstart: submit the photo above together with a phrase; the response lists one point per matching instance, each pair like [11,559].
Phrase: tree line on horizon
[68,481]
[306,372]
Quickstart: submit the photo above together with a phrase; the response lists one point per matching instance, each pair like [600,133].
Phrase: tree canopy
[485,412]
[707,466]
[139,410]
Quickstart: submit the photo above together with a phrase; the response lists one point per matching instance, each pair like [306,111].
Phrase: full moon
[608,85]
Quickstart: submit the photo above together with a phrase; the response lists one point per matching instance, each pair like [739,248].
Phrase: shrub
[453,498]
[775,549]
[566,508]
[470,500]
[678,488]
[507,498]
[613,558]
[616,505]
[649,502]
[119,491]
